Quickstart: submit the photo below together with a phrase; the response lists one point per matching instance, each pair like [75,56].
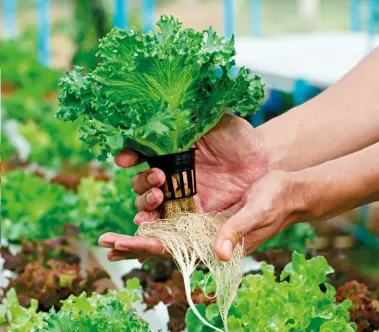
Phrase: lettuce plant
[157,93]
[55,145]
[48,271]
[21,69]
[107,206]
[32,207]
[27,105]
[108,317]
[294,303]
[51,281]
[77,313]
[59,249]
[8,151]
[294,238]
[365,309]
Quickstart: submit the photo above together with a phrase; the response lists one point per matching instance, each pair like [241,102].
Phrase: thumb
[232,231]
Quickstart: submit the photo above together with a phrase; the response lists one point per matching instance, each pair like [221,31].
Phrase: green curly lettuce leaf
[32,207]
[295,303]
[157,93]
[106,318]
[20,319]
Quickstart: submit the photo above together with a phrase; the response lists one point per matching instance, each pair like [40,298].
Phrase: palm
[230,158]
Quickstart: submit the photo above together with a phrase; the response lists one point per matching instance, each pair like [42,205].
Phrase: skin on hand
[271,204]
[224,170]
[274,202]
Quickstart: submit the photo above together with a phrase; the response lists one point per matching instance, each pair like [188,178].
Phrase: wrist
[277,143]
[309,194]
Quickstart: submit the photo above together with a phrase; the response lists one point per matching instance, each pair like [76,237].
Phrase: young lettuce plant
[158,93]
[32,207]
[107,206]
[112,311]
[301,300]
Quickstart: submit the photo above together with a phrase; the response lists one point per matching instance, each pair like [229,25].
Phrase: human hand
[229,159]
[274,202]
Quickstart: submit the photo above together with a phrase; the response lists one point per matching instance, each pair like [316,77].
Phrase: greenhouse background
[56,199]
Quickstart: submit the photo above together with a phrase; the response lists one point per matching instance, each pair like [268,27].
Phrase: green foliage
[32,207]
[91,24]
[20,68]
[8,151]
[157,93]
[295,303]
[20,319]
[55,145]
[51,281]
[25,105]
[107,206]
[294,238]
[106,318]
[37,209]
[89,312]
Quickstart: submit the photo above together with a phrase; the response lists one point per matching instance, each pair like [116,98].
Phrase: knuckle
[135,182]
[237,232]
[139,183]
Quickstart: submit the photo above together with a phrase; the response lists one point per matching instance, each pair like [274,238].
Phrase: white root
[190,237]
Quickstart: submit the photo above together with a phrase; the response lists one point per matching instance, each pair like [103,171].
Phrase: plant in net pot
[158,93]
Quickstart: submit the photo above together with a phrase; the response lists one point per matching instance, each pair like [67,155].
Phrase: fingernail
[137,220]
[150,199]
[152,179]
[227,247]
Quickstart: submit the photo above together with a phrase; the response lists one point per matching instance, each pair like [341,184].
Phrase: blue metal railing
[10,20]
[120,17]
[256,14]
[44,31]
[228,18]
[148,15]
[356,15]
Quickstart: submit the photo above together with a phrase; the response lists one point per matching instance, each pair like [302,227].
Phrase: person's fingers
[128,158]
[107,240]
[145,216]
[115,255]
[146,180]
[150,200]
[233,230]
[141,245]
